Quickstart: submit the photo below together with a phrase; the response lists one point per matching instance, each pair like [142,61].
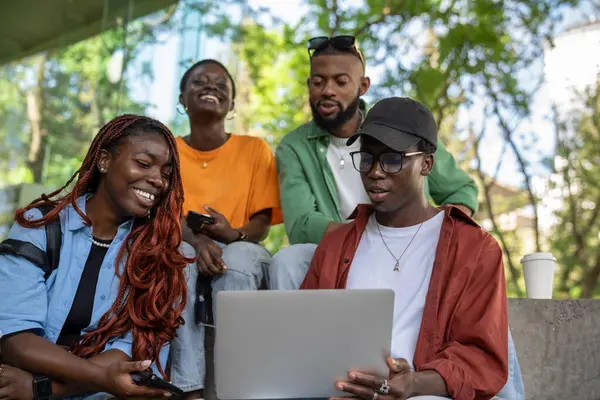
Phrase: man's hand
[220,231]
[209,256]
[15,384]
[369,387]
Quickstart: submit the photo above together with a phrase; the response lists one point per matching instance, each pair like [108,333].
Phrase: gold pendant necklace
[216,151]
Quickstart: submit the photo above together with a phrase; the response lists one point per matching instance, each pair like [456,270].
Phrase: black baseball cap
[399,123]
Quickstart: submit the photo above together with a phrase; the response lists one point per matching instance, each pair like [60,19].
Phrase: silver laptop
[295,344]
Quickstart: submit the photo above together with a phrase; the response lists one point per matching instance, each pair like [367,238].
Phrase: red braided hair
[152,290]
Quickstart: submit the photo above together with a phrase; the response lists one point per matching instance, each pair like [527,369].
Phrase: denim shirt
[28,302]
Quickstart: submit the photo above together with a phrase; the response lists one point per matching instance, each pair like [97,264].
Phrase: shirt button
[322,149]
[103,297]
[346,260]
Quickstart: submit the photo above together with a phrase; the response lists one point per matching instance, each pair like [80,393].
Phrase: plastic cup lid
[538,257]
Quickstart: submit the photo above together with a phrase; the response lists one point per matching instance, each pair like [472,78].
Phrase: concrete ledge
[558,345]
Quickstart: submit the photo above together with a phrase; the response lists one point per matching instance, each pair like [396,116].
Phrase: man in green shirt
[319,188]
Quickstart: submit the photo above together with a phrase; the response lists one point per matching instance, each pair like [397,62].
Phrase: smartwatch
[42,387]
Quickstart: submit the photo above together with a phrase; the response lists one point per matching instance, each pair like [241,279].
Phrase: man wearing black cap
[450,329]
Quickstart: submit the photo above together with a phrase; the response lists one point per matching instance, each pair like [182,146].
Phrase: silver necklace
[340,143]
[397,266]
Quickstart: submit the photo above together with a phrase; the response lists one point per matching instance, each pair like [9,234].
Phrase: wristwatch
[42,387]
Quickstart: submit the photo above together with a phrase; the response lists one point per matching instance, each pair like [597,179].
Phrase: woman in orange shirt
[233,179]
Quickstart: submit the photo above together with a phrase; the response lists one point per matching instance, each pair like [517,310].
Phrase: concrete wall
[558,345]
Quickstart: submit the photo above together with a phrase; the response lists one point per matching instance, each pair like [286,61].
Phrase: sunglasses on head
[345,43]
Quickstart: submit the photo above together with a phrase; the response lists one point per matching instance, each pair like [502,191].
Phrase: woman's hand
[15,384]
[220,231]
[400,385]
[118,382]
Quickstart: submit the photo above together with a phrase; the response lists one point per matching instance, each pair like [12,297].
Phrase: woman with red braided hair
[114,303]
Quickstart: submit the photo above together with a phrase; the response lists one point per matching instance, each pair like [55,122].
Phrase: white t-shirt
[373,268]
[350,189]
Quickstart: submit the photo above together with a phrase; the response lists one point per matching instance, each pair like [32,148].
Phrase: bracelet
[243,237]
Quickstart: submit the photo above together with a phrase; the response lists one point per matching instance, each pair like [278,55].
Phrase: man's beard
[340,119]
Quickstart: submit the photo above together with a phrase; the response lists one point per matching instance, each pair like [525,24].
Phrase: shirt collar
[315,132]
[363,211]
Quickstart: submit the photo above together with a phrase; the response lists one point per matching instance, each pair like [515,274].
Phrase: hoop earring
[179,111]
[232,116]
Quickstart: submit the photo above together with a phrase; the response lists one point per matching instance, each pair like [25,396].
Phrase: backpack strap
[53,239]
[47,260]
[26,250]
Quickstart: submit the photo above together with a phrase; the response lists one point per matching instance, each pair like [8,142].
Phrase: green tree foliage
[575,237]
[54,103]
[468,45]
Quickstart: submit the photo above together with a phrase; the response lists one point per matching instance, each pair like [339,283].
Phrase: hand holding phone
[196,221]
[146,378]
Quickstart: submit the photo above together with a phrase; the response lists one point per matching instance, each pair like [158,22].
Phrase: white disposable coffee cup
[538,269]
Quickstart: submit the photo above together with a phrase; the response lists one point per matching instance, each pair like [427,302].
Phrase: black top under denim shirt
[80,314]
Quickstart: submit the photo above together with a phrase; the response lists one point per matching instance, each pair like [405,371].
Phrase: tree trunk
[590,280]
[35,107]
[514,274]
[508,137]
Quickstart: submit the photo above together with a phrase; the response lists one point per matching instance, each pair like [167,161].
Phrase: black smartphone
[148,379]
[196,220]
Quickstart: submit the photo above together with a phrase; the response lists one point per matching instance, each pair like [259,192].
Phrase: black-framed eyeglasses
[341,42]
[391,162]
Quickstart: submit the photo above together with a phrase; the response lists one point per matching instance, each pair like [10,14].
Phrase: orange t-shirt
[237,179]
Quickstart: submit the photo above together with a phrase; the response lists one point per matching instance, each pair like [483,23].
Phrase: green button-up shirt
[308,192]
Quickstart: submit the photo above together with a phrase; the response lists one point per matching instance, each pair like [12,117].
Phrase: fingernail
[352,376]
[340,386]
[167,394]
[146,363]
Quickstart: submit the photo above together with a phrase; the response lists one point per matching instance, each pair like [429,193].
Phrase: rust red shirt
[464,332]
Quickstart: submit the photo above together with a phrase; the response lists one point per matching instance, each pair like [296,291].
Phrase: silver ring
[1,370]
[375,395]
[385,387]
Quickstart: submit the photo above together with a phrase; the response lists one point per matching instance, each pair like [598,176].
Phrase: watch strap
[42,387]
